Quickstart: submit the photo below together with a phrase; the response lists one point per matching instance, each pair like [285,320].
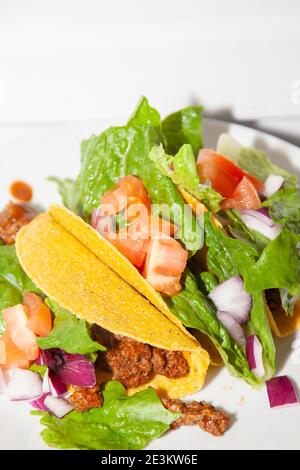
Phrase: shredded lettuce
[68,333]
[122,423]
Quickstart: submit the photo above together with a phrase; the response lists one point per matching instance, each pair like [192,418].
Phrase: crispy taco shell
[64,258]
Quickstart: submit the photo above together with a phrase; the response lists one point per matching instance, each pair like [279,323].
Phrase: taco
[65,268]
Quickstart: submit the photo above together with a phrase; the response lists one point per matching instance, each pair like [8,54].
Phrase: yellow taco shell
[67,270]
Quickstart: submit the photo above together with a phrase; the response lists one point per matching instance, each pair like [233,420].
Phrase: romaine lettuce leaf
[68,333]
[123,423]
[278,266]
[182,170]
[284,208]
[145,115]
[258,163]
[13,280]
[183,127]
[69,192]
[240,231]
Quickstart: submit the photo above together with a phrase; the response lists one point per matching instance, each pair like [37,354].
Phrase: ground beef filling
[85,398]
[274,301]
[135,364]
[205,416]
[12,219]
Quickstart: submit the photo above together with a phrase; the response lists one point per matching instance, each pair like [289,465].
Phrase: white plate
[34,153]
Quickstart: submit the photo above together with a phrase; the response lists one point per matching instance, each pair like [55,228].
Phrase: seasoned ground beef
[85,398]
[12,219]
[198,413]
[134,363]
[172,364]
[130,362]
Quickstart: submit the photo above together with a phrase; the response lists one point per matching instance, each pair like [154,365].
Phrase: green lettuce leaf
[284,208]
[2,324]
[183,127]
[69,192]
[278,266]
[182,170]
[240,231]
[40,369]
[209,281]
[121,151]
[13,280]
[288,301]
[145,115]
[194,310]
[123,423]
[229,257]
[258,163]
[68,333]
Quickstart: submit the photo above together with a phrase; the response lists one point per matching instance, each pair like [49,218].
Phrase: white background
[79,59]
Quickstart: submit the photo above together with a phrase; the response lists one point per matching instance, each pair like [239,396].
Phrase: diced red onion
[230,296]
[263,224]
[23,385]
[272,184]
[232,326]
[2,381]
[77,370]
[70,369]
[281,392]
[57,388]
[57,406]
[39,403]
[254,356]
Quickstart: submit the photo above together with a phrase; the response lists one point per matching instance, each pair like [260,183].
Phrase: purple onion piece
[232,326]
[281,392]
[39,404]
[254,356]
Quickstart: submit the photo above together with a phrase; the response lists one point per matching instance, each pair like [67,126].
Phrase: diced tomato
[150,226]
[14,357]
[223,174]
[244,197]
[128,191]
[39,315]
[165,263]
[134,249]
[16,327]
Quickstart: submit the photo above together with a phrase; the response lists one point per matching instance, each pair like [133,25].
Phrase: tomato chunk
[150,226]
[244,197]
[128,191]
[134,249]
[14,357]
[16,327]
[39,315]
[223,174]
[165,263]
